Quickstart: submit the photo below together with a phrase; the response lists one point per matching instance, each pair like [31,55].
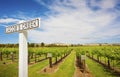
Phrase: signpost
[23,47]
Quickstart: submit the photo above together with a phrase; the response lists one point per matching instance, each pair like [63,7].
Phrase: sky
[63,21]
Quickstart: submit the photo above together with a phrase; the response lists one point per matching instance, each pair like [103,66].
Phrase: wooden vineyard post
[50,62]
[49,55]
[1,56]
[56,59]
[108,63]
[35,58]
[83,62]
[28,58]
[84,67]
[12,56]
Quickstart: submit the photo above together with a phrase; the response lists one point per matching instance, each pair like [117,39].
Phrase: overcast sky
[63,21]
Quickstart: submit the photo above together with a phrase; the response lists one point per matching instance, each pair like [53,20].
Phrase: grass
[98,70]
[66,69]
[34,69]
[8,70]
[11,69]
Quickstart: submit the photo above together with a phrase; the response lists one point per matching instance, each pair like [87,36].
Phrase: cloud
[23,15]
[103,4]
[73,21]
[8,20]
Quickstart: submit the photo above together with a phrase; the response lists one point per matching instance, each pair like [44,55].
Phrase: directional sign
[23,26]
[49,55]
[23,47]
[82,57]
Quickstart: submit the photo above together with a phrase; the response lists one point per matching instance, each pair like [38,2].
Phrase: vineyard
[82,61]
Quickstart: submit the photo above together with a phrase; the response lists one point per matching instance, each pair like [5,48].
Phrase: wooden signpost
[23,47]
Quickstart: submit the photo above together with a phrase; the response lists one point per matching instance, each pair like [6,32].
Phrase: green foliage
[66,69]
[98,70]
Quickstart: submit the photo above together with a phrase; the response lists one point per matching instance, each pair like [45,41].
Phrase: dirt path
[55,67]
[48,70]
[79,73]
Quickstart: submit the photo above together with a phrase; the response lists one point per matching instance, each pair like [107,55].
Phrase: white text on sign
[23,26]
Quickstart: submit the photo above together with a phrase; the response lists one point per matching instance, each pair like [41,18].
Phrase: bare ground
[78,71]
[55,67]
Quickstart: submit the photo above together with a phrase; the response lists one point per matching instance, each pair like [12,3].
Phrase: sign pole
[23,54]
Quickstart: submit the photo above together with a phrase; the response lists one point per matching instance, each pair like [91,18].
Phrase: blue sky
[64,21]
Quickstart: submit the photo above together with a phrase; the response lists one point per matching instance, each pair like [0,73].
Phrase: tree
[42,44]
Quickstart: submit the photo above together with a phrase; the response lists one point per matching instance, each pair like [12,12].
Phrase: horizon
[63,21]
[62,43]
